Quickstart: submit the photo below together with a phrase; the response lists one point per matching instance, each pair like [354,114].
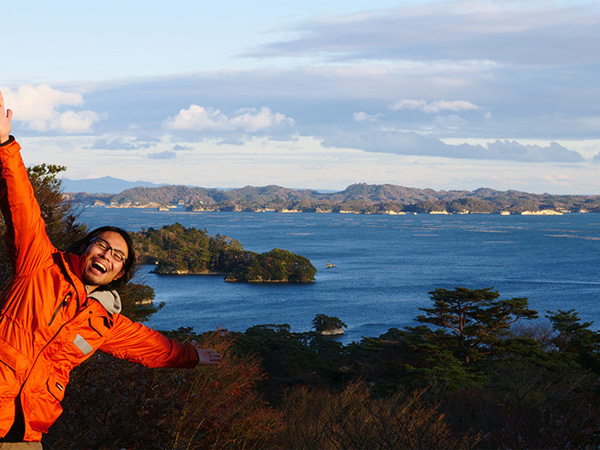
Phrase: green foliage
[574,340]
[59,213]
[273,266]
[323,323]
[473,321]
[518,388]
[137,301]
[176,249]
[294,358]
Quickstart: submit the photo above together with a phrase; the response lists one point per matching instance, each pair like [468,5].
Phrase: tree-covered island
[178,250]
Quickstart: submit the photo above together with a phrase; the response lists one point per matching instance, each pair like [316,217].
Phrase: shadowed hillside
[357,198]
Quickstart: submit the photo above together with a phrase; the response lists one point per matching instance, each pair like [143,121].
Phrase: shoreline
[179,208]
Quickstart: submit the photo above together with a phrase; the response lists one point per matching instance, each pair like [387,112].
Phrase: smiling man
[99,268]
[60,307]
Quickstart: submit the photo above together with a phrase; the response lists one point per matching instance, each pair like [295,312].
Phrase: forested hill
[360,198]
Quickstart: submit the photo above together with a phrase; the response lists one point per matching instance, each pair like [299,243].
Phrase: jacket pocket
[12,357]
[47,404]
[57,388]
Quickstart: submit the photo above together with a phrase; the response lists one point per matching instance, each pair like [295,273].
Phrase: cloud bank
[407,143]
[41,108]
[530,33]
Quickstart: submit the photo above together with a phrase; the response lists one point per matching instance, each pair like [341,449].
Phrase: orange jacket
[48,325]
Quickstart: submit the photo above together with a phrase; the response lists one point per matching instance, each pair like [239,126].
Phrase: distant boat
[329,265]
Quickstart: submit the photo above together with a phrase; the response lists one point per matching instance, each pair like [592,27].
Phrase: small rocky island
[328,325]
[178,250]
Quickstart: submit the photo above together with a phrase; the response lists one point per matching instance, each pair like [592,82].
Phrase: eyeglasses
[117,255]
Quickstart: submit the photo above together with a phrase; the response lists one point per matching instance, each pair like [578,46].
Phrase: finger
[212,354]
[208,356]
[213,357]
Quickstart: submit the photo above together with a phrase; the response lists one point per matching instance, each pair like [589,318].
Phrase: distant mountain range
[106,185]
[357,198]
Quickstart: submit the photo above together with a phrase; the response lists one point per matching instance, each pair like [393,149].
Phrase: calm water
[385,266]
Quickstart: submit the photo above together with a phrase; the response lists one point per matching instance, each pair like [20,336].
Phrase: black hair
[78,247]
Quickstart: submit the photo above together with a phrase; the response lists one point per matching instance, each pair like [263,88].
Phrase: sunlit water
[385,266]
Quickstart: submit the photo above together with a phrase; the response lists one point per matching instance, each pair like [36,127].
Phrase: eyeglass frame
[109,249]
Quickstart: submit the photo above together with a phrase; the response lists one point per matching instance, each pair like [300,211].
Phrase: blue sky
[311,94]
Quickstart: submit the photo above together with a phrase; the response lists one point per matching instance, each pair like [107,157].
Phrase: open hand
[5,121]
[207,356]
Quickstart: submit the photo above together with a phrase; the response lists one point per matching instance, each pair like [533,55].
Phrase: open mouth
[99,267]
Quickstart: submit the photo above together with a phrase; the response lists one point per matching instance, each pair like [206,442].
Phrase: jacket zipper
[62,304]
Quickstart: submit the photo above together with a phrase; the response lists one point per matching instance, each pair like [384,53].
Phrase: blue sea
[385,266]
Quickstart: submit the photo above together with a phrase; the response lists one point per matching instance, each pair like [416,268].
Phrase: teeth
[100,266]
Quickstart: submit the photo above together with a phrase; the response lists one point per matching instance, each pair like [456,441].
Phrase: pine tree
[471,321]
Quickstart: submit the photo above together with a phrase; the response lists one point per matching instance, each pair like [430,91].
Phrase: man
[59,308]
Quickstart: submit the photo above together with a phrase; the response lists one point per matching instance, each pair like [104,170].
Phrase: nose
[105,253]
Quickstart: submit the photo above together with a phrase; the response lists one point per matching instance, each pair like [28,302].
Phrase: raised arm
[5,121]
[27,242]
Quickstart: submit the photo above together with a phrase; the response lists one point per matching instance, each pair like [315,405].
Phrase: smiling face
[101,266]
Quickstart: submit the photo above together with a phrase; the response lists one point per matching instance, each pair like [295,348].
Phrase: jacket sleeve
[28,244]
[138,343]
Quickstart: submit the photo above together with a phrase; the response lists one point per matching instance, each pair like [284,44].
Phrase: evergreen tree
[574,340]
[472,321]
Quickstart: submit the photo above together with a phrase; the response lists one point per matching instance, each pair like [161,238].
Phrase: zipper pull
[63,304]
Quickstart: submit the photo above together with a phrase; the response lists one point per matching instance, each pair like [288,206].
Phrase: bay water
[385,266]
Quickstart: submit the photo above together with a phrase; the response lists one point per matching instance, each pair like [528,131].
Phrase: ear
[119,275]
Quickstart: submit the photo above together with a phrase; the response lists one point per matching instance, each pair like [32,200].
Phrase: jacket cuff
[11,139]
[195,354]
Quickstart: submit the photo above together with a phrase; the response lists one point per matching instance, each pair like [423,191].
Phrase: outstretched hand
[5,121]
[207,356]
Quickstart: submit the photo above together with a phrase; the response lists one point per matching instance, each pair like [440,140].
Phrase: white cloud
[364,117]
[436,106]
[74,122]
[39,107]
[199,118]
